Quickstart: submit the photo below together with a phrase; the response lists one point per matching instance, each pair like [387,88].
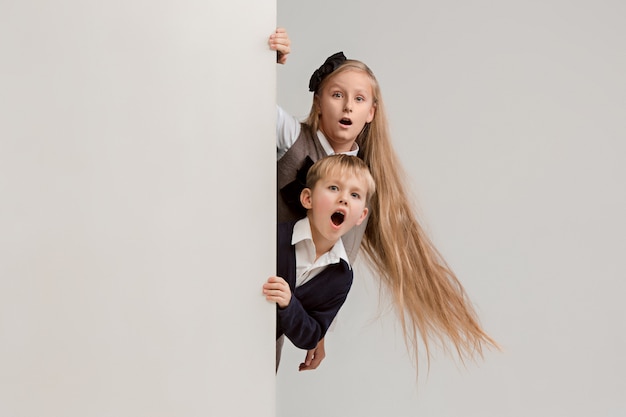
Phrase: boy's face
[345,104]
[335,205]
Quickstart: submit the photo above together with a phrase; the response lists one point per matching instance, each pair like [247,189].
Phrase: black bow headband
[331,64]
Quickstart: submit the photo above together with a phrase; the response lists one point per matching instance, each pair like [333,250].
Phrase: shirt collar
[329,149]
[302,232]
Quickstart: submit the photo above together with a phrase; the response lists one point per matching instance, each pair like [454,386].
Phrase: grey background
[510,119]
[137,210]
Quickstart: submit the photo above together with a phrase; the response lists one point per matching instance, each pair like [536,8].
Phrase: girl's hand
[279,42]
[277,290]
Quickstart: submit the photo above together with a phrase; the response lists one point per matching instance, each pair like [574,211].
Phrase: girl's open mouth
[345,122]
[337,218]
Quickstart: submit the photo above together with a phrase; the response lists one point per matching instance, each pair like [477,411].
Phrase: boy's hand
[277,290]
[314,357]
[279,42]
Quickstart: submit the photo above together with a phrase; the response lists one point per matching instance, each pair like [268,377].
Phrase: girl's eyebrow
[344,86]
[335,86]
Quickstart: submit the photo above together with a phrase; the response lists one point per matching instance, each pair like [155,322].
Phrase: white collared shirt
[307,267]
[288,130]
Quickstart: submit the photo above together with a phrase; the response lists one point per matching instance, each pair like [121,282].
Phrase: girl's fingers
[280,34]
[279,41]
[282,47]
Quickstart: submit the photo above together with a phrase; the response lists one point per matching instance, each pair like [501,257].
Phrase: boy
[313,271]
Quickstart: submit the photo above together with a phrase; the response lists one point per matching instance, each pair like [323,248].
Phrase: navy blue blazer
[314,304]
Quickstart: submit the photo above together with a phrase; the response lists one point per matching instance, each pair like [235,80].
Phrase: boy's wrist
[286,305]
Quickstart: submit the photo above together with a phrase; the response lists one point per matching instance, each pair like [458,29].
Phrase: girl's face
[346,104]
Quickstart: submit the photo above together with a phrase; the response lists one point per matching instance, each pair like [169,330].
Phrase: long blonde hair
[428,298]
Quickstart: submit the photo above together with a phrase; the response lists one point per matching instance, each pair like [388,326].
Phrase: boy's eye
[333,188]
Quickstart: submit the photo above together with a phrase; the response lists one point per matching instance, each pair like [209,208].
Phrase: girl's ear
[316,105]
[363,216]
[305,198]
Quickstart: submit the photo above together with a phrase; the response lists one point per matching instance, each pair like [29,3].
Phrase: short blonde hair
[343,165]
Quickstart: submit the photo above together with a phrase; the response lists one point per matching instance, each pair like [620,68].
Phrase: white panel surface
[137,218]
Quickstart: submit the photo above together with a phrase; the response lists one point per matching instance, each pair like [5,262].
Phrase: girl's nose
[348,108]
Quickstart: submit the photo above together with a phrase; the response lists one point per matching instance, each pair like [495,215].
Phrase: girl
[348,115]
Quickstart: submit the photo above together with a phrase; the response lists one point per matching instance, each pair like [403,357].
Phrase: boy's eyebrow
[361,185]
[361,190]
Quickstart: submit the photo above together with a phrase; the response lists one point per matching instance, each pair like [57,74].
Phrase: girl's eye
[356,195]
[337,94]
[359,98]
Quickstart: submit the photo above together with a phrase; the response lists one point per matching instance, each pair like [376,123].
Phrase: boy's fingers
[276,280]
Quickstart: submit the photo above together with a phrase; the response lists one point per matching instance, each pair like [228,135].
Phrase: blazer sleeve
[306,327]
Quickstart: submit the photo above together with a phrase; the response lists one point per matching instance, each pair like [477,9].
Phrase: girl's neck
[343,148]
[337,147]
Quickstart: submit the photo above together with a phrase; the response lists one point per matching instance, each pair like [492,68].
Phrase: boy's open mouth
[345,122]
[337,218]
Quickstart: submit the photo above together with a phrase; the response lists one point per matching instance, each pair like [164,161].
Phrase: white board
[137,218]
